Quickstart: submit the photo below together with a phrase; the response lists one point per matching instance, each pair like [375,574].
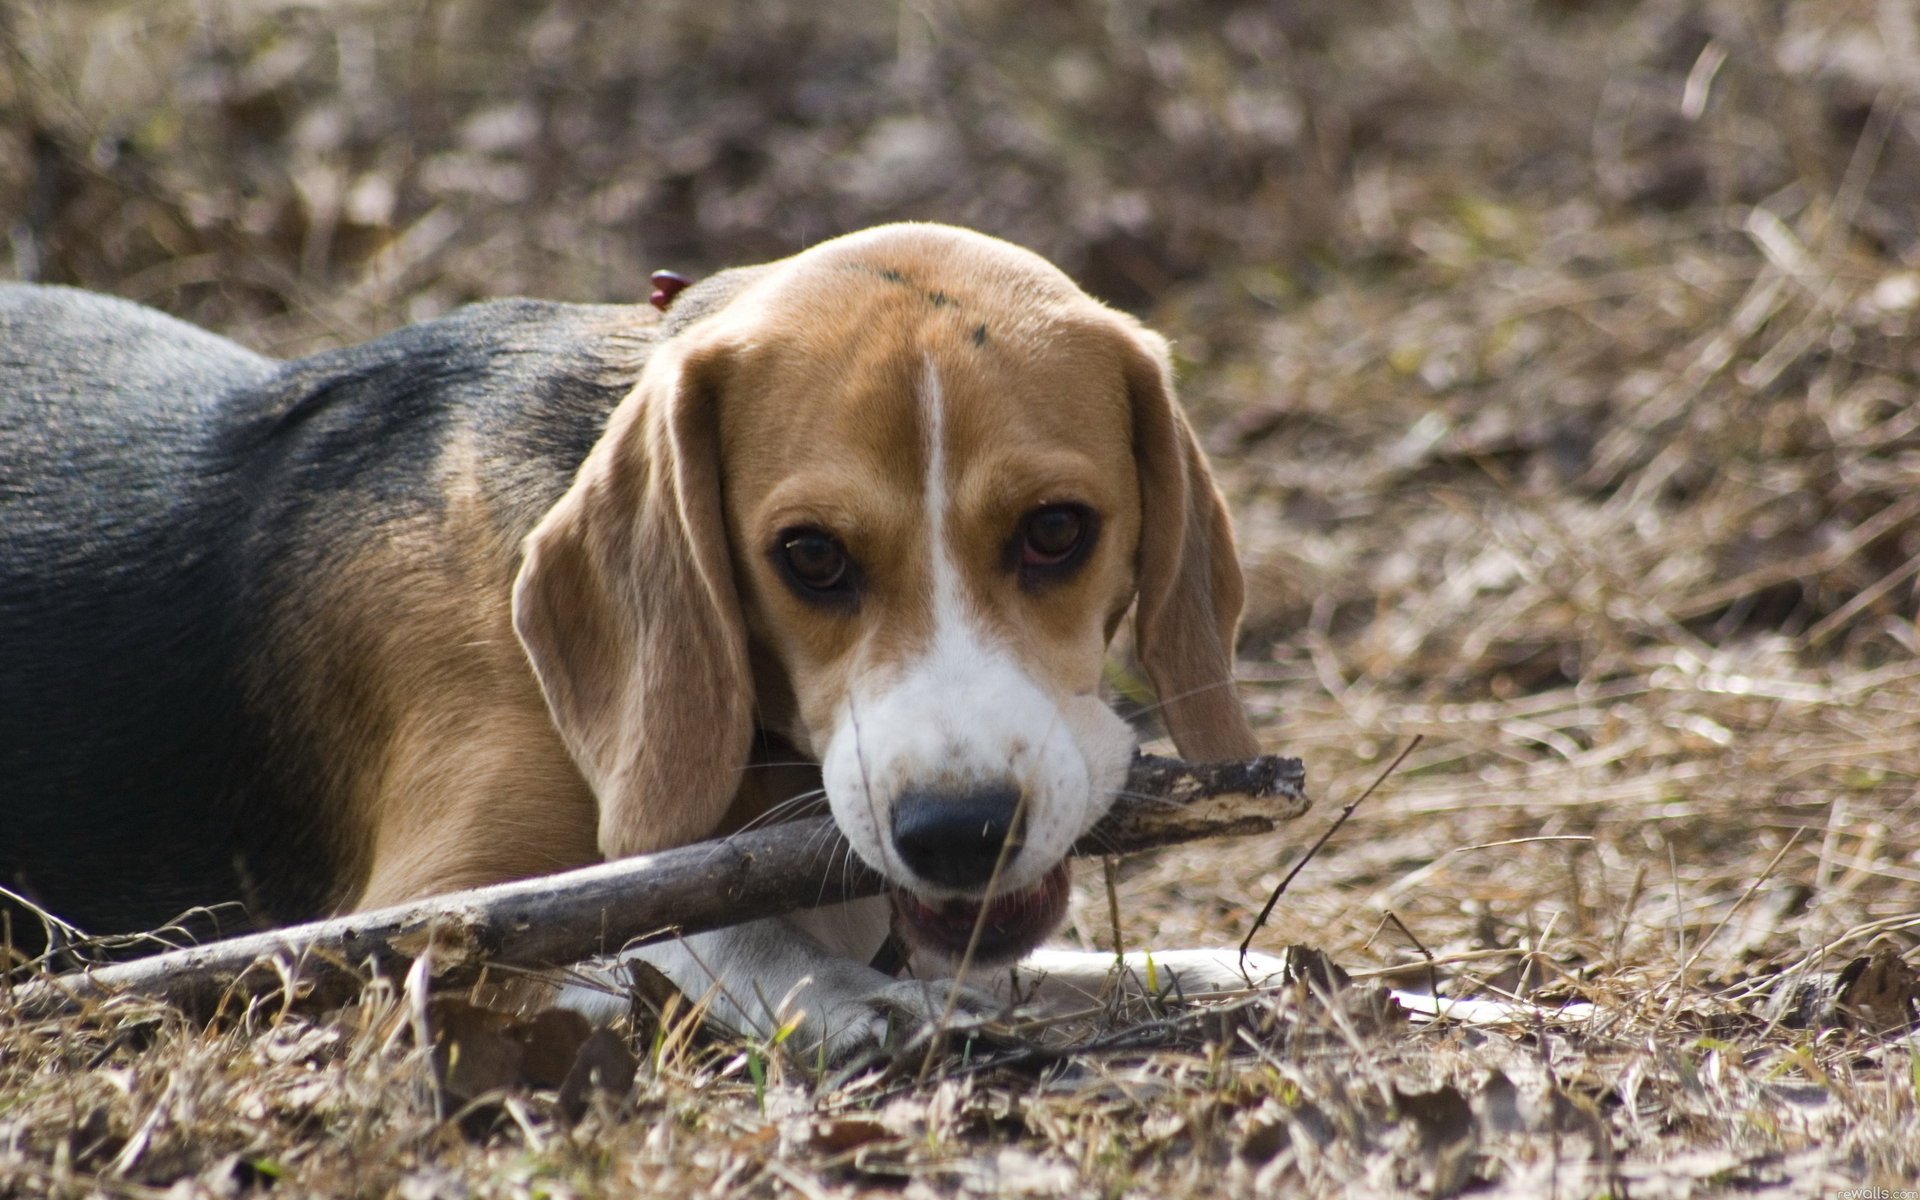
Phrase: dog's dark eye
[815,560]
[1052,535]
[1052,541]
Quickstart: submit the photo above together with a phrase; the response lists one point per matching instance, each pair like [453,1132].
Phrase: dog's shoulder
[534,378]
[131,439]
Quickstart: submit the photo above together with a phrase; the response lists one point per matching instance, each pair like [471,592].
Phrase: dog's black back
[163,494]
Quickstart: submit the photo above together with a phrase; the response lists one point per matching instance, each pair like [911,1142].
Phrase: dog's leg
[1061,981]
[810,965]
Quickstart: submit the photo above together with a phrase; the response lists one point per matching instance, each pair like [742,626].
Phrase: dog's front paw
[771,981]
[899,1013]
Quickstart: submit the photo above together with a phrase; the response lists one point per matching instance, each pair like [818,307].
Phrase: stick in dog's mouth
[1010,924]
[746,876]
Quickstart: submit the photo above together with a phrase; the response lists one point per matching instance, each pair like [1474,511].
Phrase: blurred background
[1557,357]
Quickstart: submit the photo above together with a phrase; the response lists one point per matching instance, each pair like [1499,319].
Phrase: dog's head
[890,499]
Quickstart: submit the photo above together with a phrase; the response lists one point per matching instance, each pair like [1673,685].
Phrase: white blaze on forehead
[963,713]
[948,602]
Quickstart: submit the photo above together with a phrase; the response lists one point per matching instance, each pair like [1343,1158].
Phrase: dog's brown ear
[1190,589]
[627,608]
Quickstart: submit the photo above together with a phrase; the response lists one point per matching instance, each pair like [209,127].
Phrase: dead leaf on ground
[1443,1124]
[477,1050]
[843,1134]
[604,1063]
[1877,992]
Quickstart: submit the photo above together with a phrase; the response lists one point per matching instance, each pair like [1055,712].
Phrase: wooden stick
[600,909]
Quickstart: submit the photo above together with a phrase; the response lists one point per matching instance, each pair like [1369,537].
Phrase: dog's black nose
[953,837]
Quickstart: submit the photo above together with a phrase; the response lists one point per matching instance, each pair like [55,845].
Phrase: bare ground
[1559,360]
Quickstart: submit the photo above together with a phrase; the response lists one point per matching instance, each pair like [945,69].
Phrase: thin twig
[1433,973]
[1315,848]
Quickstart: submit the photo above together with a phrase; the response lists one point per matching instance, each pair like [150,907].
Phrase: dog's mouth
[1010,924]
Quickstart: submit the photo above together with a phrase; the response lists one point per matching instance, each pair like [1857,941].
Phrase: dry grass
[1559,359]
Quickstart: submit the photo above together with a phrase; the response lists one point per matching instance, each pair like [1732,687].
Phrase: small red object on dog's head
[667,285]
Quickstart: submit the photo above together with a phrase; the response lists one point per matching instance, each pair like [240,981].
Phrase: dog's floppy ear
[627,608]
[1190,589]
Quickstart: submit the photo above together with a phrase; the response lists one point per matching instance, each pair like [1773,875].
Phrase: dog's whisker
[804,804]
[838,859]
[860,757]
[846,870]
[1159,703]
[773,816]
[825,839]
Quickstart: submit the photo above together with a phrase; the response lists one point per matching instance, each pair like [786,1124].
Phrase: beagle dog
[535,585]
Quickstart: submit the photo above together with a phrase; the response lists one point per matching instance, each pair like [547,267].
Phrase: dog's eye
[1052,534]
[814,559]
[1052,541]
